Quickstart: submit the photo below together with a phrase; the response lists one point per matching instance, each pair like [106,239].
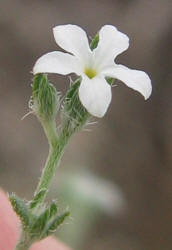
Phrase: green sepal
[45,98]
[94,42]
[74,115]
[110,80]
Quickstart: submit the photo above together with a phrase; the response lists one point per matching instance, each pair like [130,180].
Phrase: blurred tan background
[130,147]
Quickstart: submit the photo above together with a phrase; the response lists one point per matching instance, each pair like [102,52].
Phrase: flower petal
[95,95]
[73,39]
[57,62]
[111,43]
[135,79]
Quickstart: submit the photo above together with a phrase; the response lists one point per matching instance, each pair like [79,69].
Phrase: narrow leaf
[53,225]
[53,209]
[21,208]
[38,197]
[39,224]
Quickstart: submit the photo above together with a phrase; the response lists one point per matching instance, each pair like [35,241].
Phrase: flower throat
[91,73]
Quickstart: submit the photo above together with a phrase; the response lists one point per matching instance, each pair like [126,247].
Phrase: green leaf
[53,225]
[58,221]
[39,224]
[39,196]
[20,206]
[53,210]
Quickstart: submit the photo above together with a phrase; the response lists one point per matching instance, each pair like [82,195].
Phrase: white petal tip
[135,79]
[98,115]
[56,62]
[147,96]
[148,88]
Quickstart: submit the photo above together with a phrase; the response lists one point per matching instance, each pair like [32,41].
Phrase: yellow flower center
[91,73]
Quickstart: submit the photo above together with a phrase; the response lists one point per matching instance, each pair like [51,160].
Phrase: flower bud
[45,98]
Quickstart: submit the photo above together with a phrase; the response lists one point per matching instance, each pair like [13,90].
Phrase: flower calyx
[74,116]
[45,101]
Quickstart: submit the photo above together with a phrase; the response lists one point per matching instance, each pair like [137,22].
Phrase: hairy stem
[23,243]
[50,131]
[55,154]
[22,246]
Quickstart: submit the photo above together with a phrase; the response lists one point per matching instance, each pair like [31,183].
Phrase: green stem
[22,246]
[74,116]
[23,243]
[53,160]
[55,154]
[50,131]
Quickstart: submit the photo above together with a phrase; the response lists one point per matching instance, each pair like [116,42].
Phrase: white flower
[93,66]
